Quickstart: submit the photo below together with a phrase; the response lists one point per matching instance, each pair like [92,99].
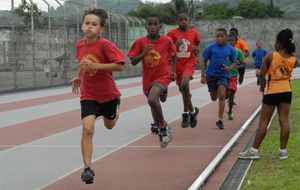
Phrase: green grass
[270,173]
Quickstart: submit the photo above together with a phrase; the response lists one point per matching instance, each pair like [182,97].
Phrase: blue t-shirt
[218,56]
[258,55]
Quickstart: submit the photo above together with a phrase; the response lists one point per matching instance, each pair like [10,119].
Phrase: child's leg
[186,95]
[111,113]
[230,100]
[212,88]
[153,101]
[164,95]
[257,70]
[241,73]
[265,117]
[283,113]
[88,124]
[221,97]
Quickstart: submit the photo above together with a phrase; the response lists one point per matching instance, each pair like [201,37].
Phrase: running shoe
[154,128]
[185,120]
[193,117]
[229,116]
[87,175]
[249,154]
[165,136]
[282,155]
[220,124]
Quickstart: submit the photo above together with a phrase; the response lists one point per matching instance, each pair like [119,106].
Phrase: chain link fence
[34,55]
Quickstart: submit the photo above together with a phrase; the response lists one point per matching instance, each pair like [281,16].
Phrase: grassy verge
[270,172]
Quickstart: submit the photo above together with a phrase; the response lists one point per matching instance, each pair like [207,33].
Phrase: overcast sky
[6,4]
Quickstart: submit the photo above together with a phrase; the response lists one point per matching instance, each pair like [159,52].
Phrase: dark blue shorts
[159,85]
[106,109]
[214,82]
[275,99]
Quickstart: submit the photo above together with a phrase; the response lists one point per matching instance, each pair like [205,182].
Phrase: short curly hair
[101,13]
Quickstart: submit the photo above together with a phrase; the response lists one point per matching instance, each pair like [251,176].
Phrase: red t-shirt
[156,64]
[190,39]
[96,84]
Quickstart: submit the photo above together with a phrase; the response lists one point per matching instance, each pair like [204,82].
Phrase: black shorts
[106,109]
[275,99]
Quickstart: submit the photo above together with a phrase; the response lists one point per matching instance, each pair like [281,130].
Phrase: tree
[218,11]
[167,12]
[255,9]
[24,10]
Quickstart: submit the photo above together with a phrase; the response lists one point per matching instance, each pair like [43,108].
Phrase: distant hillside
[290,7]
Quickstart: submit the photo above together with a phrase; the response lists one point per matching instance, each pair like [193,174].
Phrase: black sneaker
[193,118]
[154,128]
[87,175]
[185,120]
[220,124]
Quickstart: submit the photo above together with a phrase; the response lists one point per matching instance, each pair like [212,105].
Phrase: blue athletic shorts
[214,82]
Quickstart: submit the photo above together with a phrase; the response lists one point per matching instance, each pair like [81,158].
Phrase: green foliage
[255,9]
[24,11]
[167,12]
[218,11]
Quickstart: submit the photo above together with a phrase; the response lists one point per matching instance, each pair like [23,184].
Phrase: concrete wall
[251,30]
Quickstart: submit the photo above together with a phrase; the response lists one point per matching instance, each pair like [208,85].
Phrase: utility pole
[271,8]
[12,5]
[118,9]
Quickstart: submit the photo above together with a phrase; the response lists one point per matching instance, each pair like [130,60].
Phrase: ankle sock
[254,149]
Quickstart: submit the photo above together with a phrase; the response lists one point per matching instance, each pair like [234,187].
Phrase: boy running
[216,74]
[187,41]
[232,85]
[99,95]
[156,52]
[240,44]
[258,56]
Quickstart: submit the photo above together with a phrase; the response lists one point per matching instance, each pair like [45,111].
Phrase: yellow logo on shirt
[152,58]
[90,71]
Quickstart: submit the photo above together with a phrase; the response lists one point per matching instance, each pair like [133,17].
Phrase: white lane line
[27,95]
[107,146]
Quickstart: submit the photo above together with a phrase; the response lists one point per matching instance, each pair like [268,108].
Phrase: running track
[40,134]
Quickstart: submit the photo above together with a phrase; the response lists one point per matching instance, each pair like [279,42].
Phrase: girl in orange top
[277,92]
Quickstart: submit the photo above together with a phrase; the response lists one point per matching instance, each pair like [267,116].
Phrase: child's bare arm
[76,81]
[137,59]
[88,64]
[203,67]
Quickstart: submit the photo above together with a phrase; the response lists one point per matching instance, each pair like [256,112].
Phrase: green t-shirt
[239,59]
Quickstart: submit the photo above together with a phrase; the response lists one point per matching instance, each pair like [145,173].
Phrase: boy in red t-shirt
[187,41]
[99,95]
[156,52]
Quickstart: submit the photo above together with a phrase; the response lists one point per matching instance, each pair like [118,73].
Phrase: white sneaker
[249,154]
[282,155]
[165,136]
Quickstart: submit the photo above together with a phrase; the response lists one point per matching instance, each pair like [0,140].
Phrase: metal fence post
[33,44]
[49,41]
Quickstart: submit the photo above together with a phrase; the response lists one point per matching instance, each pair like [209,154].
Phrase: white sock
[192,112]
[282,150]
[254,149]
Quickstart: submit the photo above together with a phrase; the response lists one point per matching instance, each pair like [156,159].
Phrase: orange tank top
[279,74]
